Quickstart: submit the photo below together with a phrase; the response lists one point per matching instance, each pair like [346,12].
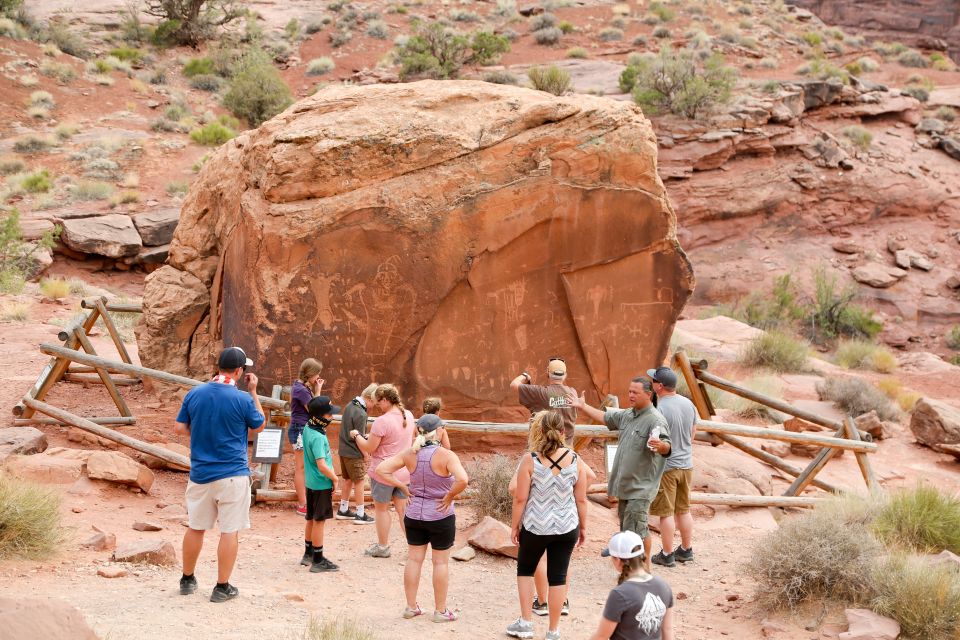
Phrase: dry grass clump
[551,79]
[55,288]
[336,628]
[778,351]
[859,354]
[15,312]
[857,397]
[29,519]
[923,597]
[489,484]
[826,552]
[743,408]
[921,518]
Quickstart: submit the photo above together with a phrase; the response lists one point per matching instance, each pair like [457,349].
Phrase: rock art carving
[440,235]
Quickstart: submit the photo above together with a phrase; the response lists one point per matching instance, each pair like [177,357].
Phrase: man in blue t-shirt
[218,417]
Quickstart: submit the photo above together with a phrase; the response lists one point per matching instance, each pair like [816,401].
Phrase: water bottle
[654,435]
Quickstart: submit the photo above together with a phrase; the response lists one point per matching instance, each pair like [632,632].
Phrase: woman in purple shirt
[307,385]
[436,478]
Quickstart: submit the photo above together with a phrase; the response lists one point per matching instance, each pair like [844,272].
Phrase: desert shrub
[436,51]
[320,66]
[832,312]
[55,288]
[777,351]
[10,29]
[826,552]
[857,397]
[859,136]
[88,190]
[907,400]
[823,69]
[920,93]
[551,79]
[860,354]
[673,83]
[549,35]
[336,628]
[16,256]
[501,77]
[610,34]
[489,483]
[813,38]
[953,337]
[42,99]
[60,71]
[340,37]
[66,130]
[914,59]
[947,113]
[66,39]
[577,52]
[11,165]
[378,29]
[663,12]
[566,27]
[748,409]
[292,30]
[198,67]
[29,519]
[102,168]
[923,597]
[545,20]
[127,54]
[15,312]
[177,188]
[32,144]
[661,32]
[257,92]
[212,134]
[37,182]
[462,15]
[206,82]
[190,22]
[922,519]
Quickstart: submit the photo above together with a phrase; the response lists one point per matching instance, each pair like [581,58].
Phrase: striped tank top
[551,508]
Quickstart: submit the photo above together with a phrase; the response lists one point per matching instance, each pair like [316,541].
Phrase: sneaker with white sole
[565,610]
[376,550]
[363,519]
[553,635]
[349,514]
[445,616]
[520,628]
[412,613]
[683,555]
[540,608]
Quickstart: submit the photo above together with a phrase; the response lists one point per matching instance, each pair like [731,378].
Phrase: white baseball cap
[624,545]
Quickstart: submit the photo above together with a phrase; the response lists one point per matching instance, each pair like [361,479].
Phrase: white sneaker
[520,628]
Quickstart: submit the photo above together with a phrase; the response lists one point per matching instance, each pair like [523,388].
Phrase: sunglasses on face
[556,358]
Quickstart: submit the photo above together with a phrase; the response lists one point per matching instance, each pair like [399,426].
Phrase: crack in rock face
[440,235]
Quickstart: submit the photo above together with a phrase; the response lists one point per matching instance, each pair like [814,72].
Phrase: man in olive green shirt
[640,457]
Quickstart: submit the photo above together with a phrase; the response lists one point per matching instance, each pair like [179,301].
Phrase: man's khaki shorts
[226,500]
[674,495]
[633,516]
[353,469]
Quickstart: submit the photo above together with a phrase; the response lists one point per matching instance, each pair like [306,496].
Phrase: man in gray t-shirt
[672,504]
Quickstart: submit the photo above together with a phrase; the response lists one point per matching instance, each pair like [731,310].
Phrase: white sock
[360,510]
[344,506]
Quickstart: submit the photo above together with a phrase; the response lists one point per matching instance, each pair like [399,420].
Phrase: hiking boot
[553,635]
[363,519]
[540,608]
[412,613]
[683,555]
[520,628]
[349,514]
[664,560]
[564,611]
[323,566]
[376,550]
[444,616]
[188,585]
[222,594]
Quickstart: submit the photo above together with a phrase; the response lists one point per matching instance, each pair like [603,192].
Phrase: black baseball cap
[664,375]
[233,358]
[320,406]
[429,422]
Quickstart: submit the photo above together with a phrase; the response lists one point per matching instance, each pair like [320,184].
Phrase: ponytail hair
[309,367]
[630,566]
[423,438]
[390,393]
[546,433]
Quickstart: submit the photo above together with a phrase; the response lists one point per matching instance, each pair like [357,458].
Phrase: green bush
[545,20]
[127,54]
[198,67]
[320,66]
[922,519]
[550,79]
[661,33]
[190,23]
[37,182]
[16,257]
[813,38]
[953,337]
[859,136]
[663,13]
[947,113]
[914,91]
[29,520]
[501,77]
[378,29]
[859,354]
[548,35]
[489,483]
[914,59]
[32,144]
[90,190]
[577,52]
[857,397]
[66,38]
[671,82]
[566,27]
[437,51]
[923,597]
[60,71]
[257,92]
[611,34]
[9,8]
[833,313]
[212,135]
[777,351]
[206,82]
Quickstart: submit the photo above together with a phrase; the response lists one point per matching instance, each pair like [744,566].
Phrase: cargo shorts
[633,516]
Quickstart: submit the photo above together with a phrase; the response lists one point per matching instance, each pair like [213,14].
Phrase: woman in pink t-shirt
[392,433]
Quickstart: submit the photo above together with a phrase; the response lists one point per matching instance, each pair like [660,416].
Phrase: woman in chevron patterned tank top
[549,516]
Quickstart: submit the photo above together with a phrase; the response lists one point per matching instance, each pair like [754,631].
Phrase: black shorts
[319,504]
[439,534]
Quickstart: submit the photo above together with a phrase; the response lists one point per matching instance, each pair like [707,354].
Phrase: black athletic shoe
[349,514]
[664,560]
[323,566]
[307,558]
[188,585]
[683,555]
[540,608]
[565,609]
[222,594]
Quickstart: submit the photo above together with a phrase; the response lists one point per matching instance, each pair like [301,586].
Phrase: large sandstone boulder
[114,466]
[442,235]
[156,226]
[493,536]
[22,440]
[867,625]
[935,423]
[158,552]
[112,235]
[46,618]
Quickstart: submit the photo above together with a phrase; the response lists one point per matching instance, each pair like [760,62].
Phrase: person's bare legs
[316,538]
[525,589]
[227,555]
[381,516]
[411,573]
[557,595]
[647,547]
[685,525]
[192,544]
[357,492]
[667,528]
[540,580]
[298,478]
[441,578]
[346,487]
[400,505]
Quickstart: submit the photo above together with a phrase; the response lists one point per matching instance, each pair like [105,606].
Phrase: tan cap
[557,369]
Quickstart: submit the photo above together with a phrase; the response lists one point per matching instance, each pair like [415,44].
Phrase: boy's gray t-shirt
[681,415]
[638,609]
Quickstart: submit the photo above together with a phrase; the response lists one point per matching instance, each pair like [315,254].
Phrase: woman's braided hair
[391,395]
[630,566]
[546,433]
